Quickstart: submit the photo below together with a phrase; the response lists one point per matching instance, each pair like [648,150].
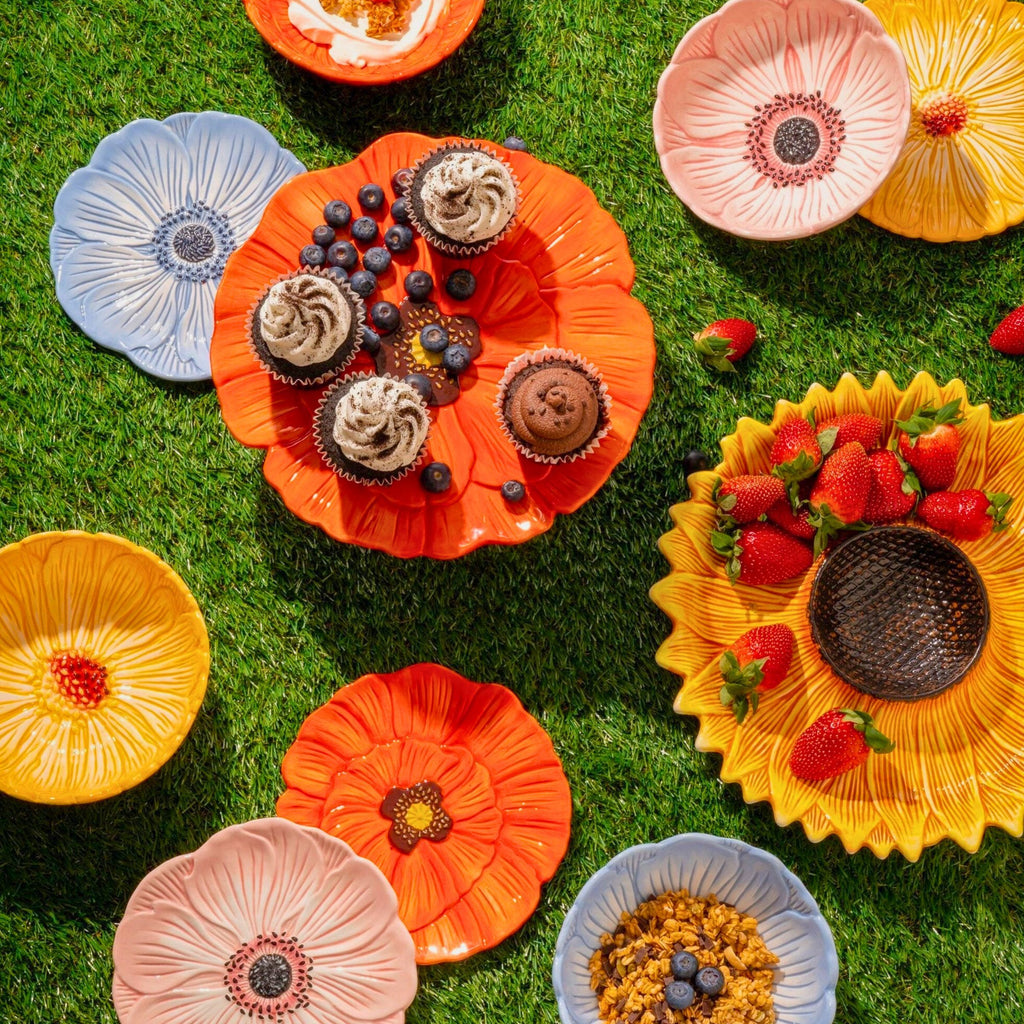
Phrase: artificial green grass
[87,442]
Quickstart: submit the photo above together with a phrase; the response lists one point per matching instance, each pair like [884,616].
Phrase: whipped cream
[468,196]
[305,320]
[381,424]
[348,40]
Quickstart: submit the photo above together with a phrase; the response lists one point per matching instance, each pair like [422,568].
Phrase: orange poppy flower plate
[338,41]
[917,628]
[554,287]
[103,665]
[450,787]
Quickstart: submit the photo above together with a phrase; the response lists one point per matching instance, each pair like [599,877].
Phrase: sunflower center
[193,242]
[80,681]
[899,612]
[419,816]
[269,978]
[795,139]
[944,115]
[416,813]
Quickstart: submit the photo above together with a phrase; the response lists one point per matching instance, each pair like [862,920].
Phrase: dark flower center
[796,140]
[194,243]
[270,976]
[415,813]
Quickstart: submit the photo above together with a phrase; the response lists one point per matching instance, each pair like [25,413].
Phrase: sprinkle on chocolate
[415,813]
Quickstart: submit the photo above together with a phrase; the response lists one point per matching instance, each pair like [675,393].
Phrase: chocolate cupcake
[306,327]
[372,429]
[462,198]
[553,406]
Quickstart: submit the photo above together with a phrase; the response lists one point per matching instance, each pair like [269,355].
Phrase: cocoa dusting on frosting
[380,424]
[553,409]
[468,195]
[304,320]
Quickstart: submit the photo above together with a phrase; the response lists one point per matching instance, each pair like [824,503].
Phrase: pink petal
[820,34]
[707,99]
[752,38]
[184,1007]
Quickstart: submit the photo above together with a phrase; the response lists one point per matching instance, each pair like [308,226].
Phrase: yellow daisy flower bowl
[104,660]
[958,762]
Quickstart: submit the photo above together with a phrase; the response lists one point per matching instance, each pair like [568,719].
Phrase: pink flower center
[795,139]
[944,115]
[81,681]
[269,977]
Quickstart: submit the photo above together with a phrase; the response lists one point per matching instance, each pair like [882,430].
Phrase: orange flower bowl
[450,787]
[271,20]
[957,764]
[559,279]
[103,665]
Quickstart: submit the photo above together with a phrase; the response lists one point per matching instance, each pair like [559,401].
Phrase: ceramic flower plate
[961,174]
[560,279]
[956,767]
[753,881]
[780,118]
[141,235]
[450,787]
[331,47]
[103,666]
[265,921]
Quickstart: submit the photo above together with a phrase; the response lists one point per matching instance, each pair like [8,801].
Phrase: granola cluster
[384,17]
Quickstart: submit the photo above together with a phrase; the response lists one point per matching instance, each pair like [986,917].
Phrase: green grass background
[88,442]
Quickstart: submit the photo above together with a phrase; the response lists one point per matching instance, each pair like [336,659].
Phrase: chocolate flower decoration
[416,814]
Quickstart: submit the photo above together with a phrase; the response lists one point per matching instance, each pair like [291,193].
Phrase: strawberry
[929,441]
[796,453]
[853,426]
[746,498]
[894,489]
[796,523]
[761,553]
[836,742]
[756,663]
[720,344]
[1008,337]
[965,515]
[840,492]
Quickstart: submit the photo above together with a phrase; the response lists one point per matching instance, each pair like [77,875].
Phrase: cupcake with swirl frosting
[306,327]
[372,429]
[463,198]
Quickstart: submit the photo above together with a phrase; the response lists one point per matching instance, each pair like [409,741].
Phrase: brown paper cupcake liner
[555,355]
[355,332]
[346,467]
[449,246]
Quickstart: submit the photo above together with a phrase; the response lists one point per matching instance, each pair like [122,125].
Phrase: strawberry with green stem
[965,515]
[724,342]
[746,498]
[929,442]
[840,493]
[756,663]
[761,553]
[894,488]
[837,742]
[797,451]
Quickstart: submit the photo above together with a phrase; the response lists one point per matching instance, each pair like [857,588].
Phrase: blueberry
[514,142]
[709,981]
[421,383]
[377,259]
[513,490]
[684,965]
[398,237]
[694,461]
[436,477]
[371,197]
[364,229]
[312,256]
[400,179]
[679,995]
[385,317]
[434,338]
[337,213]
[460,285]
[418,285]
[363,282]
[371,341]
[456,359]
[343,254]
[323,236]
[339,274]
[400,209]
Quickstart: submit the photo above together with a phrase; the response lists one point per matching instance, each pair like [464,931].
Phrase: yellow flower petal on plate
[748,449]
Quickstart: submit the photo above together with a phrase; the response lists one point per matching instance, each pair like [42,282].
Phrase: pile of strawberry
[833,477]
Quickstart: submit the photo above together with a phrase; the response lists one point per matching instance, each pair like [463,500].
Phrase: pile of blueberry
[689,980]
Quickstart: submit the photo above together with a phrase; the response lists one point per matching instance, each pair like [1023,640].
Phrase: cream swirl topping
[381,424]
[305,319]
[468,196]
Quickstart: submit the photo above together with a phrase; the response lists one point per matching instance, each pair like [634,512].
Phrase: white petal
[101,208]
[180,123]
[195,327]
[151,157]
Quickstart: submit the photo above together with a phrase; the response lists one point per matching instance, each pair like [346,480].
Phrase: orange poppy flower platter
[450,787]
[551,288]
[103,666]
[912,628]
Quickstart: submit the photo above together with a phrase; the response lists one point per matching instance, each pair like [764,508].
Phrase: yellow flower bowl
[104,660]
[958,765]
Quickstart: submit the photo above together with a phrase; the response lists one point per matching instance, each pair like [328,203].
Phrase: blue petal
[102,208]
[150,156]
[194,329]
[180,123]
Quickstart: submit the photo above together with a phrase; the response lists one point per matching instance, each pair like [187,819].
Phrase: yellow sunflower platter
[104,659]
[956,729]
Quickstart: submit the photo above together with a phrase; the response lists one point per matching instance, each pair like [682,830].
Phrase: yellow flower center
[943,115]
[419,816]
[79,681]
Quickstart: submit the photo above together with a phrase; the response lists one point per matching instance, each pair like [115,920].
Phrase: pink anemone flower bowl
[778,119]
[268,921]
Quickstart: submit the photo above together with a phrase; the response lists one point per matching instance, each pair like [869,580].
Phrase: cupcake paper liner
[555,355]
